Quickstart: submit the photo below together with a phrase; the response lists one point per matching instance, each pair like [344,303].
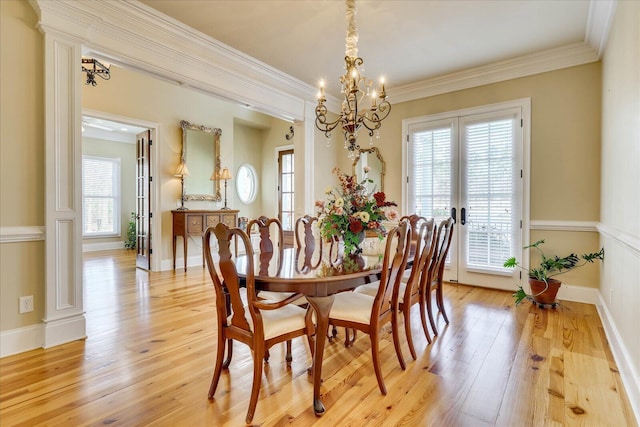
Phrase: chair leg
[406,312]
[440,301]
[218,368]
[375,353]
[423,316]
[349,338]
[430,313]
[396,340]
[227,362]
[288,358]
[257,380]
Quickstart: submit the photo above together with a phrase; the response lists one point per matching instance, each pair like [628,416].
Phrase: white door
[470,167]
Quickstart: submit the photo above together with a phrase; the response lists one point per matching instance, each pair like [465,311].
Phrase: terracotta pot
[543,294]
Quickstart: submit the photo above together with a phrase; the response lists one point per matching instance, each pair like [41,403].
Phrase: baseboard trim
[19,340]
[567,292]
[630,378]
[64,330]
[102,246]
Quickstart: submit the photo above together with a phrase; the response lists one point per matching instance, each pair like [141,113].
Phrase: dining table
[293,270]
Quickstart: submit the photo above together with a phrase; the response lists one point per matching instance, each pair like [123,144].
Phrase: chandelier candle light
[356,88]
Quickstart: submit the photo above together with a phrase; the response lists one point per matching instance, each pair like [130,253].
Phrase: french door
[470,167]
[144,215]
[286,172]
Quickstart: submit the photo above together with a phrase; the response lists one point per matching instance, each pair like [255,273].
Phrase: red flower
[380,199]
[355,225]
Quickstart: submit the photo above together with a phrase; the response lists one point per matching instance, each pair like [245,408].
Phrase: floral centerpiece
[350,211]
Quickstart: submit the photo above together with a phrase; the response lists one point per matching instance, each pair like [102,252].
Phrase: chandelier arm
[356,89]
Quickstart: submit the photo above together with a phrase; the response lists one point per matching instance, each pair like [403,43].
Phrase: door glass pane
[430,172]
[286,189]
[489,170]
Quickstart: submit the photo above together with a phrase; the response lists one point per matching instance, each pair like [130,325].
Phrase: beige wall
[127,154]
[248,147]
[21,160]
[620,208]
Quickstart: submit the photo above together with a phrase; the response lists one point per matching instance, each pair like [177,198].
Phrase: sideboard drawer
[212,220]
[194,224]
[229,220]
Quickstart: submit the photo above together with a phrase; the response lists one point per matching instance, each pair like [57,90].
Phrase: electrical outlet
[610,296]
[26,304]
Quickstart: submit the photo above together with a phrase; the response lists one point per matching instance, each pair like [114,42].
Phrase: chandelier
[362,106]
[94,68]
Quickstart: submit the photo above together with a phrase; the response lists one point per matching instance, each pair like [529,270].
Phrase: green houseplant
[543,286]
[130,243]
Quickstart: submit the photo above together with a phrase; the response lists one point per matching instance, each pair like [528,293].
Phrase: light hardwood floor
[149,355]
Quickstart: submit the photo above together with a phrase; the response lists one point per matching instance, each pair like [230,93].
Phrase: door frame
[155,194]
[525,105]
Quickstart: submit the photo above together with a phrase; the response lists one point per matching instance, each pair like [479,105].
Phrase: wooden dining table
[318,285]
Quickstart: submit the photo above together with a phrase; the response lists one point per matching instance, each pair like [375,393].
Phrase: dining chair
[267,253]
[259,324]
[307,244]
[266,246]
[411,289]
[434,281]
[369,314]
[415,221]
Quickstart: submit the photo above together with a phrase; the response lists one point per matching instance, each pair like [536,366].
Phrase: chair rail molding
[21,234]
[625,239]
[589,226]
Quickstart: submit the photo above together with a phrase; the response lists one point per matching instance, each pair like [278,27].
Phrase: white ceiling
[407,41]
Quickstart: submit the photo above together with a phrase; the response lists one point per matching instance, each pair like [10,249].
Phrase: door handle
[463,216]
[453,214]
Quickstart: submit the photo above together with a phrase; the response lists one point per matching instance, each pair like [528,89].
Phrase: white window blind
[430,169]
[100,196]
[489,169]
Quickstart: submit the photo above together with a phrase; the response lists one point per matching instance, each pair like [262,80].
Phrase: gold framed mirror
[201,154]
[371,158]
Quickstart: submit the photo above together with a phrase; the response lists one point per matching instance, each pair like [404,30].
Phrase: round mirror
[246,183]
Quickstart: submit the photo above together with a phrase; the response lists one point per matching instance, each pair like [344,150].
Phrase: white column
[64,318]
[304,149]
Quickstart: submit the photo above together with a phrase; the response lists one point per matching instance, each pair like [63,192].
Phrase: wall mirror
[372,159]
[201,154]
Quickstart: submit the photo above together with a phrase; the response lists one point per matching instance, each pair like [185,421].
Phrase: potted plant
[130,243]
[544,287]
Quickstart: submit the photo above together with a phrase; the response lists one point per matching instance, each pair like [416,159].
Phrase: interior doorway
[134,201]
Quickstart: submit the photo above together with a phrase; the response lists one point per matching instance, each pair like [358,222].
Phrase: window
[100,196]
[285,188]
[246,183]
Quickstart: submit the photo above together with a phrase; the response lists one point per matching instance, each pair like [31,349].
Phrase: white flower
[339,202]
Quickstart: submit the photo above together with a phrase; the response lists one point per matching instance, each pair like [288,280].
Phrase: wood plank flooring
[149,355]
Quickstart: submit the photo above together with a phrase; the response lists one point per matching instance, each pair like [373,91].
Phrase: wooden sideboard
[187,223]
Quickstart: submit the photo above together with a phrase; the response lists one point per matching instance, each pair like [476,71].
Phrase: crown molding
[541,62]
[132,35]
[599,24]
